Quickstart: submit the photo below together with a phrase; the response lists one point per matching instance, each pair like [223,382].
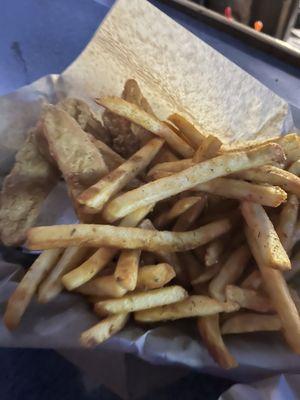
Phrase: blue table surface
[40,37]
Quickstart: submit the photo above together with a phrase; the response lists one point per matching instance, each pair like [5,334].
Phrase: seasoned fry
[209,148]
[189,178]
[164,155]
[192,306]
[189,217]
[20,299]
[25,188]
[213,252]
[103,330]
[111,158]
[248,298]
[295,168]
[171,166]
[149,122]
[98,194]
[126,273]
[49,237]
[270,247]
[229,273]
[154,276]
[209,330]
[188,128]
[105,286]
[278,291]
[178,208]
[250,322]
[271,196]
[253,280]
[52,284]
[273,176]
[141,301]
[207,275]
[287,222]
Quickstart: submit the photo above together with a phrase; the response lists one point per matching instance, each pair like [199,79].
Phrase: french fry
[21,297]
[86,271]
[271,196]
[209,148]
[171,166]
[207,275]
[253,280]
[251,322]
[295,168]
[103,330]
[87,235]
[268,242]
[188,128]
[277,289]
[178,132]
[126,273]
[97,195]
[209,330]
[52,285]
[141,301]
[189,178]
[104,286]
[229,273]
[287,222]
[213,252]
[273,176]
[192,306]
[189,217]
[149,122]
[111,158]
[154,276]
[164,155]
[248,298]
[176,210]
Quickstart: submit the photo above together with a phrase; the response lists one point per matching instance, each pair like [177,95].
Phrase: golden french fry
[188,128]
[178,132]
[209,330]
[230,272]
[209,148]
[154,276]
[251,322]
[248,298]
[104,286]
[21,297]
[295,168]
[271,196]
[189,217]
[141,301]
[278,291]
[97,195]
[149,122]
[268,242]
[103,330]
[273,176]
[253,280]
[287,222]
[207,275]
[213,252]
[189,178]
[87,235]
[171,166]
[192,306]
[176,210]
[52,284]
[111,158]
[126,272]
[164,155]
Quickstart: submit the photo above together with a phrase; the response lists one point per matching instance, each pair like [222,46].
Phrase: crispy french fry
[176,210]
[126,273]
[278,291]
[271,196]
[188,128]
[250,322]
[229,273]
[287,222]
[208,274]
[111,158]
[189,178]
[149,122]
[21,297]
[213,252]
[86,235]
[269,245]
[253,280]
[104,286]
[164,155]
[154,276]
[273,176]
[209,330]
[171,166]
[248,298]
[295,168]
[97,195]
[189,217]
[141,301]
[52,284]
[103,330]
[192,306]
[209,148]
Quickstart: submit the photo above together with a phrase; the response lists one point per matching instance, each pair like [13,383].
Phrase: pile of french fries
[186,227]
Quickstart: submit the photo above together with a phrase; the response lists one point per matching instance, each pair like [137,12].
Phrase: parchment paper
[176,71]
